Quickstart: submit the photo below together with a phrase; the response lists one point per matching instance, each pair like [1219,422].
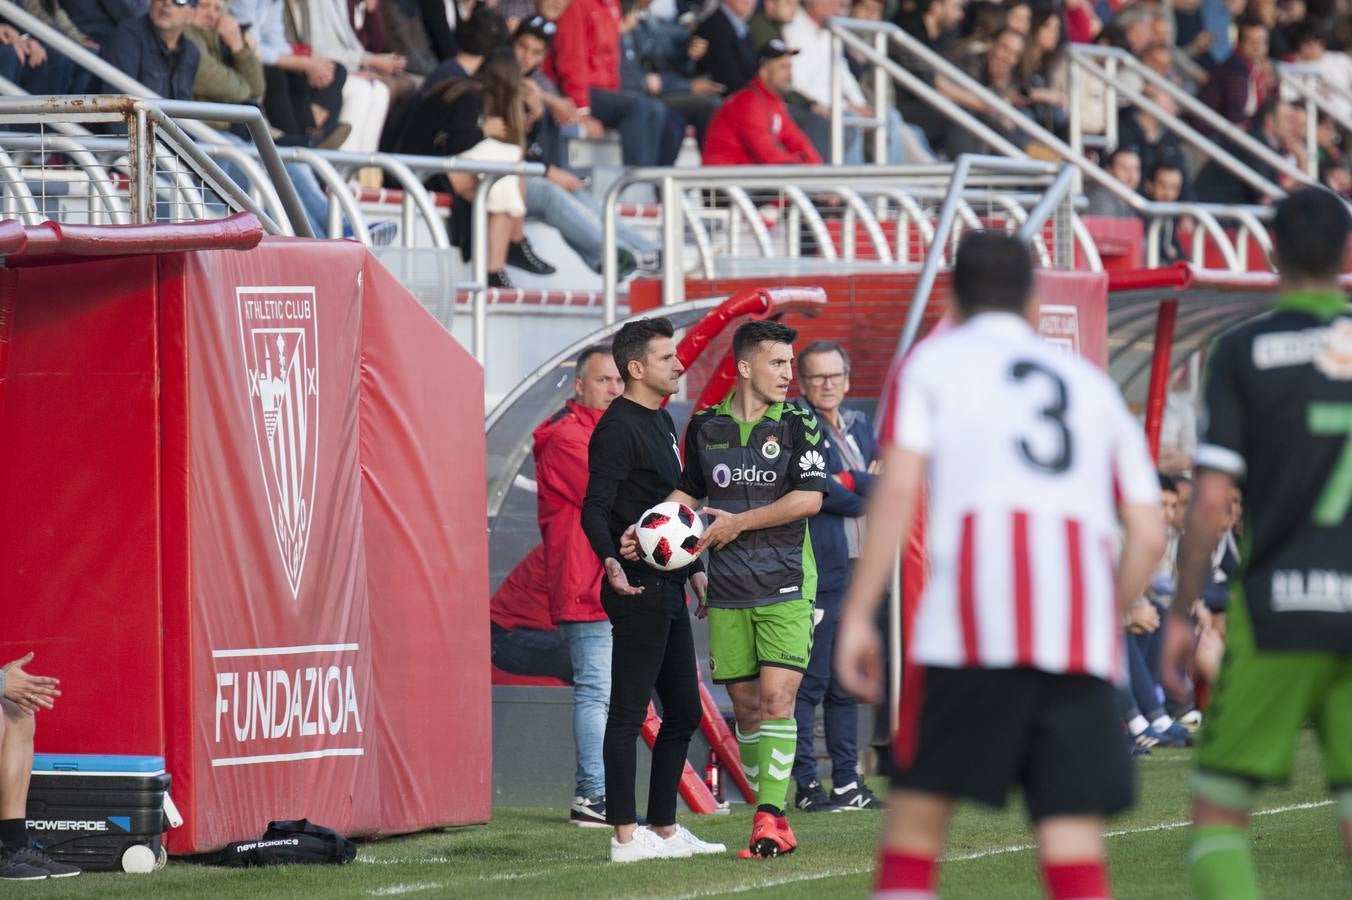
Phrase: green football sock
[778,742]
[748,748]
[1221,866]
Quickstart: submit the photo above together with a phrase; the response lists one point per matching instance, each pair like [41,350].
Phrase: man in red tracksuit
[573,571]
[753,126]
[585,63]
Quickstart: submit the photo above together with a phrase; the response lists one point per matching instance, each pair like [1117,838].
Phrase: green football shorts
[1261,702]
[742,640]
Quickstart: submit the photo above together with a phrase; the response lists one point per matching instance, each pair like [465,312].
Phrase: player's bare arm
[1206,514]
[892,504]
[725,527]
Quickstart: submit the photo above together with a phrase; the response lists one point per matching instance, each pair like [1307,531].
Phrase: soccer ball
[668,534]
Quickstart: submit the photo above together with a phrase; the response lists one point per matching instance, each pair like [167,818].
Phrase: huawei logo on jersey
[812,463]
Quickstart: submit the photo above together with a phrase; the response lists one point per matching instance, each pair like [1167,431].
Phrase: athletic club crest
[278,329]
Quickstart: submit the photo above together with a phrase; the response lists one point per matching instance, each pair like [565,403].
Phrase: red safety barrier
[243,544]
[693,789]
[241,231]
[722,743]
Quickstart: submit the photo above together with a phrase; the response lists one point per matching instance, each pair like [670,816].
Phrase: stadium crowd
[742,81]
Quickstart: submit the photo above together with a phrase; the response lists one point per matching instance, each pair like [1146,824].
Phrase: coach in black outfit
[634,464]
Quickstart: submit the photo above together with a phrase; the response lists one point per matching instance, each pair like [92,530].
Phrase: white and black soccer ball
[668,534]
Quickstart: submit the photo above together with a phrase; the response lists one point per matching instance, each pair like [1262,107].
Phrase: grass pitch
[535,854]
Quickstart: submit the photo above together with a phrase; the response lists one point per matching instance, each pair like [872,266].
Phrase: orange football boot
[770,837]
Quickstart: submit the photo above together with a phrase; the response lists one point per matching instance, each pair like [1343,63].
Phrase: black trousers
[654,650]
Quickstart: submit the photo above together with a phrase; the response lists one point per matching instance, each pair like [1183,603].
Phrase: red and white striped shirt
[1029,449]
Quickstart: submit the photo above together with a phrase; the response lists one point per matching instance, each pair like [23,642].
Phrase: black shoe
[589,812]
[856,796]
[13,868]
[38,859]
[522,256]
[499,279]
[813,799]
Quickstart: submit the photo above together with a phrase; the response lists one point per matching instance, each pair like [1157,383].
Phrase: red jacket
[561,473]
[586,51]
[753,126]
[522,600]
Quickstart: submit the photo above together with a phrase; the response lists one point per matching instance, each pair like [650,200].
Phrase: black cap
[774,49]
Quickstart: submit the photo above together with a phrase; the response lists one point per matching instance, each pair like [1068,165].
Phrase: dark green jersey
[1278,419]
[738,466]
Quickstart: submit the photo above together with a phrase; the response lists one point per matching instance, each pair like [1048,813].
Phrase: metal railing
[1304,83]
[866,196]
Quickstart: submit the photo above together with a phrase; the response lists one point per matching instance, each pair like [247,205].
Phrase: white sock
[1137,724]
[846,789]
[1161,723]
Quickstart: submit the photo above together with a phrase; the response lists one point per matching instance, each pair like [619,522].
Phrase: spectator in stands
[98,19]
[574,572]
[812,75]
[811,118]
[1164,184]
[480,117]
[731,56]
[753,126]
[1337,177]
[1153,142]
[936,26]
[441,19]
[405,35]
[482,32]
[1124,164]
[1216,184]
[524,640]
[229,71]
[663,50]
[586,62]
[21,696]
[304,93]
[368,25]
[837,534]
[1082,23]
[151,48]
[1044,72]
[66,76]
[1239,87]
[1334,80]
[1019,16]
[559,198]
[1280,43]
[25,62]
[998,72]
[322,25]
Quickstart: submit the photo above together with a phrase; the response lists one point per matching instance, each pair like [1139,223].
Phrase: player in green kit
[758,463]
[1277,424]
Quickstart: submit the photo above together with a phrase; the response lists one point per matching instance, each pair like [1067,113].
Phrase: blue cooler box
[92,810]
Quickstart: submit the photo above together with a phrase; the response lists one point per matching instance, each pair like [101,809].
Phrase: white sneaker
[684,838]
[645,845]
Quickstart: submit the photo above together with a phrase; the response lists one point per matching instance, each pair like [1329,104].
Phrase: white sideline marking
[396,889]
[982,854]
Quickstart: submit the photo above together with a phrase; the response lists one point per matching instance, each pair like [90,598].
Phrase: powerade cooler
[101,813]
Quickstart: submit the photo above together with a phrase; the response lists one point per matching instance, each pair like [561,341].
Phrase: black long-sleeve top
[634,463]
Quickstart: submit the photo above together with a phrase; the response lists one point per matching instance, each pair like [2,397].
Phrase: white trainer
[645,845]
[684,838]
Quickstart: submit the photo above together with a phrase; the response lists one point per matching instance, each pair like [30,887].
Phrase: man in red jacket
[574,573]
[753,126]
[585,62]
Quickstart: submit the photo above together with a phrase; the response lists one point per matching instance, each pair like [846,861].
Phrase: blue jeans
[577,217]
[839,711]
[311,195]
[589,645]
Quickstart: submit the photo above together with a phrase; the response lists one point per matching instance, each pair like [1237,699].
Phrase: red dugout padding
[243,544]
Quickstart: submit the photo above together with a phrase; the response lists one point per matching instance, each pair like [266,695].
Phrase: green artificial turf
[535,854]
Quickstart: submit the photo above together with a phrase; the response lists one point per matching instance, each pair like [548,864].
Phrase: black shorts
[975,733]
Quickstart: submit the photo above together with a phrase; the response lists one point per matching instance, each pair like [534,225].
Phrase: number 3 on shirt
[1054,415]
[1328,419]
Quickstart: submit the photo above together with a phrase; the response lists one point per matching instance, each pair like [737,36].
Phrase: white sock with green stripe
[778,743]
[748,748]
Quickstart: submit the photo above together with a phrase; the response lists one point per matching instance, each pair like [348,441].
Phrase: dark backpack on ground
[292,841]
